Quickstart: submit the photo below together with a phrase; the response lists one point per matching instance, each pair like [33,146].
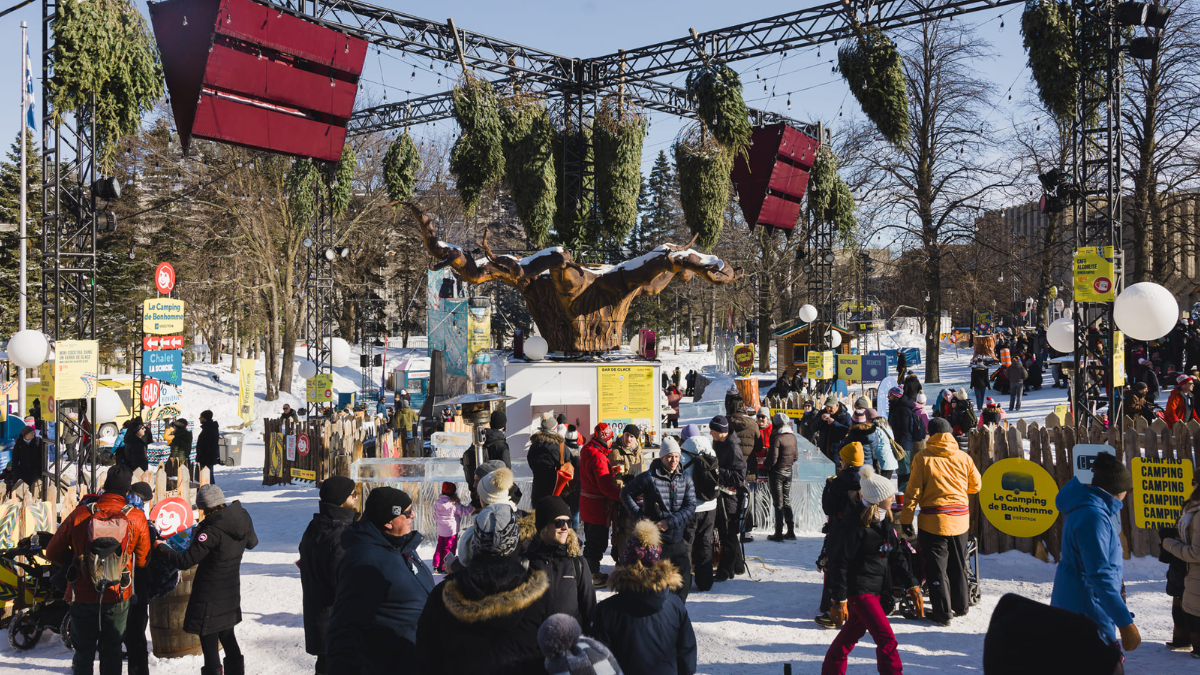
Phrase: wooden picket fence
[1051,446]
[334,444]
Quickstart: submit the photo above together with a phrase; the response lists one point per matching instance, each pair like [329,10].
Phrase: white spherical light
[28,348]
[835,339]
[339,353]
[1061,335]
[306,370]
[536,348]
[808,314]
[1146,311]
[108,405]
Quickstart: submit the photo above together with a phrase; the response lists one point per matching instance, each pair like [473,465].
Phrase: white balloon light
[633,343]
[1146,311]
[1061,335]
[108,405]
[28,348]
[835,339]
[808,314]
[339,353]
[536,348]
[306,370]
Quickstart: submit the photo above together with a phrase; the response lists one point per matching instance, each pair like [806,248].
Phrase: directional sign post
[150,393]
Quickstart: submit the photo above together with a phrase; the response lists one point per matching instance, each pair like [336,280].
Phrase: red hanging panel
[772,183]
[242,73]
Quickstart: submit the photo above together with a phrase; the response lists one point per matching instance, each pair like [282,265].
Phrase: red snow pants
[865,616]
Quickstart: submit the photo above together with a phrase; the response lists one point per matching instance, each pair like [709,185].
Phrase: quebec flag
[27,95]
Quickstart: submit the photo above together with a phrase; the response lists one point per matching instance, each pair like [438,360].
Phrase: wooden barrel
[166,621]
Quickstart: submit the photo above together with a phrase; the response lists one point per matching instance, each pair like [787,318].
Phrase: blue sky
[584,29]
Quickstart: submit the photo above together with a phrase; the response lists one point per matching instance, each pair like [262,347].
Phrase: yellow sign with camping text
[820,365]
[1094,274]
[162,316]
[1017,497]
[1160,487]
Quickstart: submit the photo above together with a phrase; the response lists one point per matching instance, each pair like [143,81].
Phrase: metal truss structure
[370,318]
[1096,173]
[318,288]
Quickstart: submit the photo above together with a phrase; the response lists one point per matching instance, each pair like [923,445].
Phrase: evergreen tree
[10,257]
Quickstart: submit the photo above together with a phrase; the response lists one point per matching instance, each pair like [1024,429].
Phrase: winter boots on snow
[791,525]
[778,536]
[783,516]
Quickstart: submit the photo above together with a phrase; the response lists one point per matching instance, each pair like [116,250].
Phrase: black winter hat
[143,490]
[939,425]
[719,424]
[336,490]
[118,480]
[633,430]
[1110,475]
[498,420]
[549,509]
[385,503]
[1030,638]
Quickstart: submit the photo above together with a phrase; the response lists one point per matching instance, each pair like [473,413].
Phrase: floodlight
[1051,179]
[108,188]
[307,242]
[343,251]
[1051,204]
[329,254]
[110,221]
[1144,48]
[1141,14]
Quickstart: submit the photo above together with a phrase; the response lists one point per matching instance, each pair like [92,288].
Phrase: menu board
[626,395]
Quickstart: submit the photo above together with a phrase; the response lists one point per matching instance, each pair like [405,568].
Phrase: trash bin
[231,448]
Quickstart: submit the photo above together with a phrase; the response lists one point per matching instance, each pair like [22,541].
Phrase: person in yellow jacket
[942,478]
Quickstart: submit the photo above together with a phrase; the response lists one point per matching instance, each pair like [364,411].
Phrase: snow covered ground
[744,626]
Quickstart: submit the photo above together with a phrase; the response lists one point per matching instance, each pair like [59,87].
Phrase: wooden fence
[1051,446]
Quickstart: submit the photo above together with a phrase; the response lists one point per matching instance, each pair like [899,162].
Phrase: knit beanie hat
[859,415]
[633,430]
[336,490]
[961,394]
[118,480]
[496,531]
[764,412]
[567,652]
[448,488]
[719,424]
[1111,475]
[572,434]
[921,398]
[852,454]
[939,425]
[488,467]
[689,431]
[548,423]
[385,503]
[645,545]
[603,432]
[143,490]
[494,487]
[670,446]
[498,420]
[561,419]
[209,497]
[862,403]
[896,392]
[874,488]
[549,509]
[872,414]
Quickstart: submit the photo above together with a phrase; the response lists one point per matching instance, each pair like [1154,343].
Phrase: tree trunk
[764,303]
[271,353]
[712,318]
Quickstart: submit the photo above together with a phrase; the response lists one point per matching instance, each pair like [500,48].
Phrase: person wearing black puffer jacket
[495,443]
[545,449]
[908,429]
[731,473]
[216,603]
[320,553]
[781,455]
[208,449]
[133,452]
[668,499]
[556,551]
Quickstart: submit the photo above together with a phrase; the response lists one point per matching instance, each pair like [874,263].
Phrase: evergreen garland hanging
[618,136]
[829,197]
[703,166]
[528,166]
[477,159]
[105,47]
[1047,28]
[301,185]
[572,221]
[871,66]
[716,91]
[400,166]
[343,179]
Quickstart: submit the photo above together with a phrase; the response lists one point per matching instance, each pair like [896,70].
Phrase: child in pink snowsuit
[447,512]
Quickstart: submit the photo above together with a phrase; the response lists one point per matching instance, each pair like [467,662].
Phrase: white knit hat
[670,446]
[873,487]
[493,488]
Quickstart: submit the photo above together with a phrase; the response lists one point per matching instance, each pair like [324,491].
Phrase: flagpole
[22,302]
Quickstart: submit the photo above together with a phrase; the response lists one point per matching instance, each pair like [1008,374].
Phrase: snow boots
[791,526]
[778,536]
[235,665]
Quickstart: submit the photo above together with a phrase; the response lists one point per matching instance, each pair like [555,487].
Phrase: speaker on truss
[771,184]
[243,73]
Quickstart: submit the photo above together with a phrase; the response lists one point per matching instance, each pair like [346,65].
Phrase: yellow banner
[246,390]
[1118,359]
[302,474]
[626,394]
[319,389]
[820,365]
[1018,497]
[275,456]
[1160,487]
[849,367]
[1094,280]
[790,412]
[162,316]
[479,333]
[75,365]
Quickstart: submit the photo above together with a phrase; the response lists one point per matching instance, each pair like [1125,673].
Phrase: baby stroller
[897,599]
[31,584]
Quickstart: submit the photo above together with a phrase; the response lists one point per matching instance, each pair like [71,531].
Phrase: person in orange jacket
[1180,406]
[98,616]
[941,480]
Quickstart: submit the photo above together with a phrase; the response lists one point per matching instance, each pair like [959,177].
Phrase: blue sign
[165,366]
[912,356]
[874,367]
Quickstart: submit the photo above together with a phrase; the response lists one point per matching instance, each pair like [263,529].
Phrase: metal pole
[22,300]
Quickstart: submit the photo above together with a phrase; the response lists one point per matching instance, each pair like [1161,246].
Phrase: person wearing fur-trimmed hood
[485,618]
[646,625]
[556,550]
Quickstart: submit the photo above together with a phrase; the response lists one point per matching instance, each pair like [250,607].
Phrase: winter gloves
[908,531]
[1130,637]
[918,601]
[839,613]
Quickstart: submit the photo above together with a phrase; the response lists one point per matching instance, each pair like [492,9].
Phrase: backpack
[106,559]
[705,477]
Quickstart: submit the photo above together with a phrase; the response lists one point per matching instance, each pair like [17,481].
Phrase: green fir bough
[528,145]
[618,136]
[703,165]
[401,163]
[716,91]
[477,158]
[871,66]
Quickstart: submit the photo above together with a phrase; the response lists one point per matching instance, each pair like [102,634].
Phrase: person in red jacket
[1180,406]
[597,486]
[98,617]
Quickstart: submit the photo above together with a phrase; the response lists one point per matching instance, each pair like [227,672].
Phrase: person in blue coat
[1088,579]
[382,586]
